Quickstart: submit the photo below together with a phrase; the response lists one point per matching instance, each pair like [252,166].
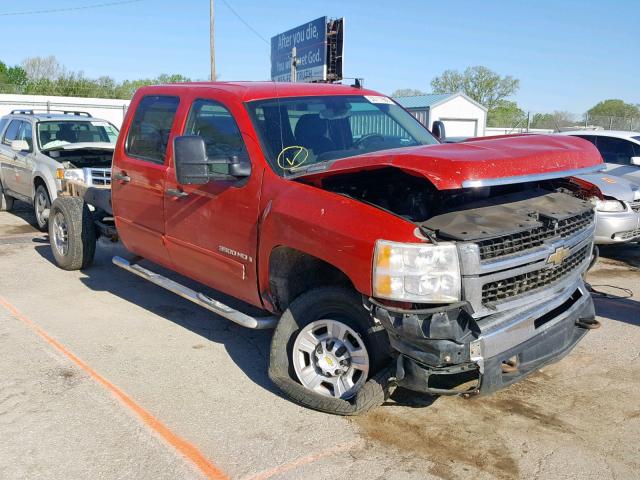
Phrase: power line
[246,24]
[69,9]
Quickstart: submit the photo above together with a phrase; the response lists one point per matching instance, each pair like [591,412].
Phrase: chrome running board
[197,297]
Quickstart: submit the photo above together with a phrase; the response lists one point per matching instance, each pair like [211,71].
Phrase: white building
[462,116]
[109,109]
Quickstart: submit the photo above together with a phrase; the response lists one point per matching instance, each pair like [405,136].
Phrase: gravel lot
[205,380]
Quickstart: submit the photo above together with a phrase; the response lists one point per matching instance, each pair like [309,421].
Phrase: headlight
[608,205]
[74,174]
[416,272]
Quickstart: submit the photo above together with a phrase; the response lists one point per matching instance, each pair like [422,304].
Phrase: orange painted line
[280,469]
[186,449]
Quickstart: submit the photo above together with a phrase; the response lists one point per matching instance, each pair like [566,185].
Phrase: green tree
[613,113]
[480,83]
[506,114]
[407,92]
[12,79]
[556,120]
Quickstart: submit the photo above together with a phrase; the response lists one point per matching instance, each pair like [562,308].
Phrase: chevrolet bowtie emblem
[557,257]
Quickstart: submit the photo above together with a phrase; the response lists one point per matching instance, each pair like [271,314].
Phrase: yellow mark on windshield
[292,157]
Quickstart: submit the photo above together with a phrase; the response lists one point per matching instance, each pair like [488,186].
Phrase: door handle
[174,192]
[122,177]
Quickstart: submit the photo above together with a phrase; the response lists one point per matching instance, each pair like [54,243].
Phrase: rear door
[8,157]
[212,229]
[138,177]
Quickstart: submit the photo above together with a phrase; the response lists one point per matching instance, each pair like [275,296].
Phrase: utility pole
[212,42]
[294,65]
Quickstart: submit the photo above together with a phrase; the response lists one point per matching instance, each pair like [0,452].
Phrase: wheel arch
[293,272]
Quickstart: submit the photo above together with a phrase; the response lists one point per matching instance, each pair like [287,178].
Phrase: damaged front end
[523,301]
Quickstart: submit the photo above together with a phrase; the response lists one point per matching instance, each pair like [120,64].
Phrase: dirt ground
[205,380]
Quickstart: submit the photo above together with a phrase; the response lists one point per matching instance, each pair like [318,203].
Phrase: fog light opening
[510,365]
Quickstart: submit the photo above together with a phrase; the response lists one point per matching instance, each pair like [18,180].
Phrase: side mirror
[635,161]
[437,129]
[193,167]
[190,157]
[20,146]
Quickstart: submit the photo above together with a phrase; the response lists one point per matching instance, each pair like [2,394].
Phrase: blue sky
[568,55]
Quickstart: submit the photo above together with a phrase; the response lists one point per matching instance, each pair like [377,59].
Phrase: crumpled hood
[611,186]
[110,147]
[481,161]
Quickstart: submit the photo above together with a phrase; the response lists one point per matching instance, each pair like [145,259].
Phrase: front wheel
[72,233]
[327,354]
[42,207]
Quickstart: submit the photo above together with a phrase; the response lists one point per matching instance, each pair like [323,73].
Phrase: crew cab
[40,148]
[380,256]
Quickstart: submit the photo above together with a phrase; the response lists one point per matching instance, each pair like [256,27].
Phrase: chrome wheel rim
[331,359]
[41,207]
[60,234]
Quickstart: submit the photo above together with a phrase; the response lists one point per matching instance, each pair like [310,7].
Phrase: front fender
[336,229]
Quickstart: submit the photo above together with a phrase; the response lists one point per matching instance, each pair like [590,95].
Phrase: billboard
[310,42]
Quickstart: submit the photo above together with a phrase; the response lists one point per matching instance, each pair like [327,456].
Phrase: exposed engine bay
[464,214]
[82,158]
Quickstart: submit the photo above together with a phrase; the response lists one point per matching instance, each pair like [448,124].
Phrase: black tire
[81,233]
[6,202]
[41,222]
[346,306]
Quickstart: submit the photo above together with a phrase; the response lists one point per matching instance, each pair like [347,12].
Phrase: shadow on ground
[249,349]
[627,254]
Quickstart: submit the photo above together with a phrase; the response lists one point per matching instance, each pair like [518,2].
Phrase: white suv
[38,150]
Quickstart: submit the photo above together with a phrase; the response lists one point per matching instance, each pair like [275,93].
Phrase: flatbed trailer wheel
[72,233]
[327,355]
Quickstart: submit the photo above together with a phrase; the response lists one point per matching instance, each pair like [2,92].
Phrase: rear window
[149,132]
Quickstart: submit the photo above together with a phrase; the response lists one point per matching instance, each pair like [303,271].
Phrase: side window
[590,138]
[3,123]
[215,124]
[26,133]
[615,150]
[148,135]
[12,132]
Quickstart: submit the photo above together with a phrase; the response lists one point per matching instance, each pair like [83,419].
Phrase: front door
[138,176]
[211,229]
[24,162]
[617,153]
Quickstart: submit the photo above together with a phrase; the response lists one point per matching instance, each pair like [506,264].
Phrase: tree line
[46,76]
[494,91]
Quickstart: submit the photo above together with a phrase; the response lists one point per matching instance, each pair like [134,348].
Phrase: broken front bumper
[446,351]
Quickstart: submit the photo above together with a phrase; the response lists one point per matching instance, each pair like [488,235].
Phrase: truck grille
[495,292]
[519,242]
[99,176]
[635,206]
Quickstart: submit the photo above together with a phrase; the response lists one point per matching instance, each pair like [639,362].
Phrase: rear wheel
[42,207]
[327,354]
[72,233]
[6,202]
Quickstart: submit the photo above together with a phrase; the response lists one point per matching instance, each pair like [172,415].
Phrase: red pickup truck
[380,256]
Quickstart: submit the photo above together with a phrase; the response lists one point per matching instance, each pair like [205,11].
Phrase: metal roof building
[462,116]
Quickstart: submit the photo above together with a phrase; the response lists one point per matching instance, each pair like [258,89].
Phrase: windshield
[302,132]
[57,133]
